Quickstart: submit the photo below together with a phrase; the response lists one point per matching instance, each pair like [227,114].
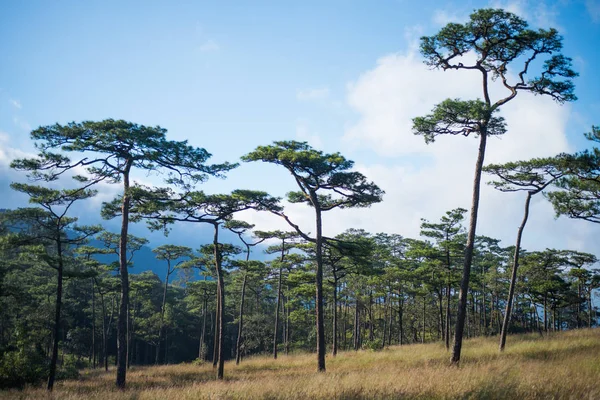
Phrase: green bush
[18,368]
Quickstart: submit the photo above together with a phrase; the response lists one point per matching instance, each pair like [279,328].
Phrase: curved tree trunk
[513,276]
[464,283]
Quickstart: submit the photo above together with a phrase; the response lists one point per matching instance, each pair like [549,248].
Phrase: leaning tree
[325,183]
[111,150]
[499,46]
[533,177]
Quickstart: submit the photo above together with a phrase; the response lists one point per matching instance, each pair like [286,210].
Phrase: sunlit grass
[560,366]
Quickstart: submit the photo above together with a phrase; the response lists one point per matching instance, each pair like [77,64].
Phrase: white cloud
[209,45]
[443,17]
[537,13]
[15,103]
[424,181]
[518,7]
[313,94]
[303,133]
[593,8]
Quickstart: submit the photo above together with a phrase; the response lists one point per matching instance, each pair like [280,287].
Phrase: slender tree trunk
[93,325]
[319,292]
[238,345]
[590,309]
[448,318]
[221,305]
[287,323]
[128,336]
[334,346]
[371,327]
[579,296]
[104,334]
[356,333]
[345,322]
[513,276]
[201,355]
[423,337]
[441,320]
[400,324]
[122,320]
[384,321]
[215,327]
[161,327]
[545,313]
[276,330]
[464,284]
[59,290]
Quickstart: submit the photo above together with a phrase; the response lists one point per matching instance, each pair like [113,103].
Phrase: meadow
[563,365]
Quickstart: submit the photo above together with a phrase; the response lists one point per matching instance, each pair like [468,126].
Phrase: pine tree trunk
[122,319]
[201,355]
[319,292]
[448,318]
[221,305]
[238,344]
[400,324]
[93,325]
[464,284]
[356,333]
[513,276]
[334,346]
[56,334]
[276,330]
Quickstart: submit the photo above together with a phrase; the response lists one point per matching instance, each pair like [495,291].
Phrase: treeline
[379,290]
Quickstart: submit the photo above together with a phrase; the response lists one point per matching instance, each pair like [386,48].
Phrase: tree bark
[319,292]
[238,344]
[276,330]
[122,319]
[59,290]
[203,333]
[464,284]
[221,287]
[334,346]
[162,314]
[513,276]
[93,325]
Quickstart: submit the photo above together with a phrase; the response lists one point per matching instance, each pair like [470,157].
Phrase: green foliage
[457,117]
[499,40]
[21,367]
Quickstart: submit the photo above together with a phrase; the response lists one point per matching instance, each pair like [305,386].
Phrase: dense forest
[68,301]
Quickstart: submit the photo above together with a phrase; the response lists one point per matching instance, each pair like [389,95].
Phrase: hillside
[564,365]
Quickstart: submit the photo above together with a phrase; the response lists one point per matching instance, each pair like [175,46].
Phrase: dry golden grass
[559,366]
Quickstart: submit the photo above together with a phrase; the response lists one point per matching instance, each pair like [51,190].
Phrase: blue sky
[231,75]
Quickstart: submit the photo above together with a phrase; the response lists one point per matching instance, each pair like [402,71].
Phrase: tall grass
[559,366]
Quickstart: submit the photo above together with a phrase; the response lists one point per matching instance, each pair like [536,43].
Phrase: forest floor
[563,365]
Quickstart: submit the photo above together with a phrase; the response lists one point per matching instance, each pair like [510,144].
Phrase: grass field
[559,366]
